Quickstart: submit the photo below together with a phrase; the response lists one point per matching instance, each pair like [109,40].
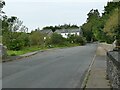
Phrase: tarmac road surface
[57,68]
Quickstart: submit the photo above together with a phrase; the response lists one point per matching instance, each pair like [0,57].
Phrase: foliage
[87,31]
[91,27]
[16,41]
[80,40]
[105,27]
[24,50]
[65,26]
[51,28]
[68,26]
[76,39]
[2,4]
[110,7]
[56,39]
[14,33]
[111,25]
[16,38]
[36,38]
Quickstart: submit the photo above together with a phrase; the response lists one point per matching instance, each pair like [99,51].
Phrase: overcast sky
[40,13]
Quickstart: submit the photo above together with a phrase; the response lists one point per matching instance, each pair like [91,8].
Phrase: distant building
[64,32]
[48,32]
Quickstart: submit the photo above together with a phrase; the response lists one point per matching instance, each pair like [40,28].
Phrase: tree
[111,25]
[87,32]
[2,4]
[92,26]
[110,7]
[65,26]
[14,33]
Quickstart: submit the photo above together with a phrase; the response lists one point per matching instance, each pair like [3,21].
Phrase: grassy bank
[36,48]
[24,50]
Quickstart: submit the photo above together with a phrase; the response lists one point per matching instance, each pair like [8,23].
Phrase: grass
[36,48]
[24,50]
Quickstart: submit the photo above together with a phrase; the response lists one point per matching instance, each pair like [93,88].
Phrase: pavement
[97,74]
[60,68]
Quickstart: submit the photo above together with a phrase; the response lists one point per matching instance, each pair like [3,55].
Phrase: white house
[66,32]
[63,32]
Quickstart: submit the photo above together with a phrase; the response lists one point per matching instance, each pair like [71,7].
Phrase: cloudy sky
[40,13]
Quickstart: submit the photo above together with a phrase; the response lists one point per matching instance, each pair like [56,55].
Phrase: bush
[57,39]
[80,40]
[77,39]
[36,38]
[15,45]
[15,40]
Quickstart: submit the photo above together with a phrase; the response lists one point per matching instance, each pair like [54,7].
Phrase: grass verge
[24,50]
[36,48]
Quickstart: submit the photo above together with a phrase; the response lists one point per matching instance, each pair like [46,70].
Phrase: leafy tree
[103,27]
[91,29]
[65,26]
[111,25]
[87,32]
[49,27]
[24,37]
[68,26]
[2,4]
[110,7]
[14,33]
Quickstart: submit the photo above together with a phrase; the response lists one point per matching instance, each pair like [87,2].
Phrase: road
[57,68]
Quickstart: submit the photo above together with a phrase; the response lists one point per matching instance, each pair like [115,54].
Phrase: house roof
[46,31]
[68,31]
[59,31]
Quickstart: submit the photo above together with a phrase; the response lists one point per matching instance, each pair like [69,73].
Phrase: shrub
[15,40]
[56,39]
[36,38]
[77,39]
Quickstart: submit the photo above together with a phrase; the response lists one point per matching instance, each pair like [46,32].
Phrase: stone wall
[113,68]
